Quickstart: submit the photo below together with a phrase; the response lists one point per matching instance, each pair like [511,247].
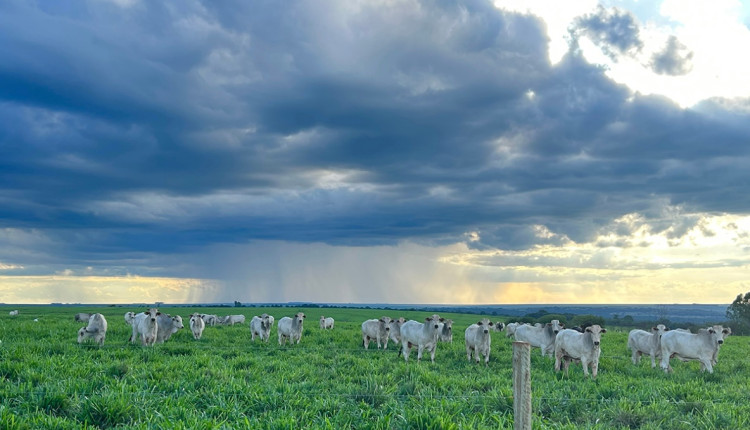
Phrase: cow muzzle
[720,342]
[596,343]
[486,331]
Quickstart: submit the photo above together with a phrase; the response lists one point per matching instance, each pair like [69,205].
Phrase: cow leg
[635,356]
[432,353]
[406,347]
[420,349]
[653,360]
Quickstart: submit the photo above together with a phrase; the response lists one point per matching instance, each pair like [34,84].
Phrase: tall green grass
[224,380]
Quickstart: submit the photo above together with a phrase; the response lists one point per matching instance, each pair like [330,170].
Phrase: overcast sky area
[389,151]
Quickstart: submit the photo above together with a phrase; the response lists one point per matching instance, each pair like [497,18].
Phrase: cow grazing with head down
[642,342]
[702,346]
[540,337]
[478,339]
[82,317]
[291,328]
[572,345]
[96,329]
[423,336]
[377,330]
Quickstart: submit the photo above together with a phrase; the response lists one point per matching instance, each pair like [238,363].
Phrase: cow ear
[479,323]
[654,329]
[604,330]
[442,319]
[711,331]
[428,319]
[666,328]
[491,324]
[158,313]
[588,329]
[725,331]
[549,324]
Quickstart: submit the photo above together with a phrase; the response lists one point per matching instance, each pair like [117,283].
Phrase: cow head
[485,325]
[434,321]
[300,317]
[659,330]
[386,323]
[718,333]
[596,333]
[177,321]
[152,314]
[556,326]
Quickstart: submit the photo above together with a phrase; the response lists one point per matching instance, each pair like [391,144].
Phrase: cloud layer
[139,135]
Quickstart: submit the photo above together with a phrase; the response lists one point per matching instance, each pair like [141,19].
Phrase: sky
[374,151]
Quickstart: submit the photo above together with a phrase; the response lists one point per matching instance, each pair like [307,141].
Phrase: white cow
[13,313]
[261,326]
[146,325]
[573,345]
[129,317]
[424,336]
[642,342]
[540,337]
[96,330]
[168,325]
[445,331]
[326,323]
[702,346]
[233,319]
[395,330]
[510,329]
[291,328]
[478,339]
[82,317]
[210,319]
[376,330]
[197,325]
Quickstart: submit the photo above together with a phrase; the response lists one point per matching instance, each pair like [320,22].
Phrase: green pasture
[328,381]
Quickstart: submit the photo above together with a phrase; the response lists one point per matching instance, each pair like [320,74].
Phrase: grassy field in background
[329,381]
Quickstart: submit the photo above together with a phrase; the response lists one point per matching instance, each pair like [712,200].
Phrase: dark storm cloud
[674,60]
[162,128]
[614,30]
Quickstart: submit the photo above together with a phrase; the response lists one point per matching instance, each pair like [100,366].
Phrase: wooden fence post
[521,386]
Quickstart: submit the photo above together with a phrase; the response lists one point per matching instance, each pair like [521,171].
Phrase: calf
[145,324]
[540,337]
[424,336]
[96,330]
[261,326]
[702,346]
[642,342]
[445,331]
[197,325]
[291,328]
[82,317]
[572,345]
[377,330]
[326,323]
[478,340]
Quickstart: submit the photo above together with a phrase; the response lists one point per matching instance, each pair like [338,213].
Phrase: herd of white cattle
[566,345]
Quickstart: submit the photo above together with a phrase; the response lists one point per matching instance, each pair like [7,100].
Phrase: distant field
[47,380]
